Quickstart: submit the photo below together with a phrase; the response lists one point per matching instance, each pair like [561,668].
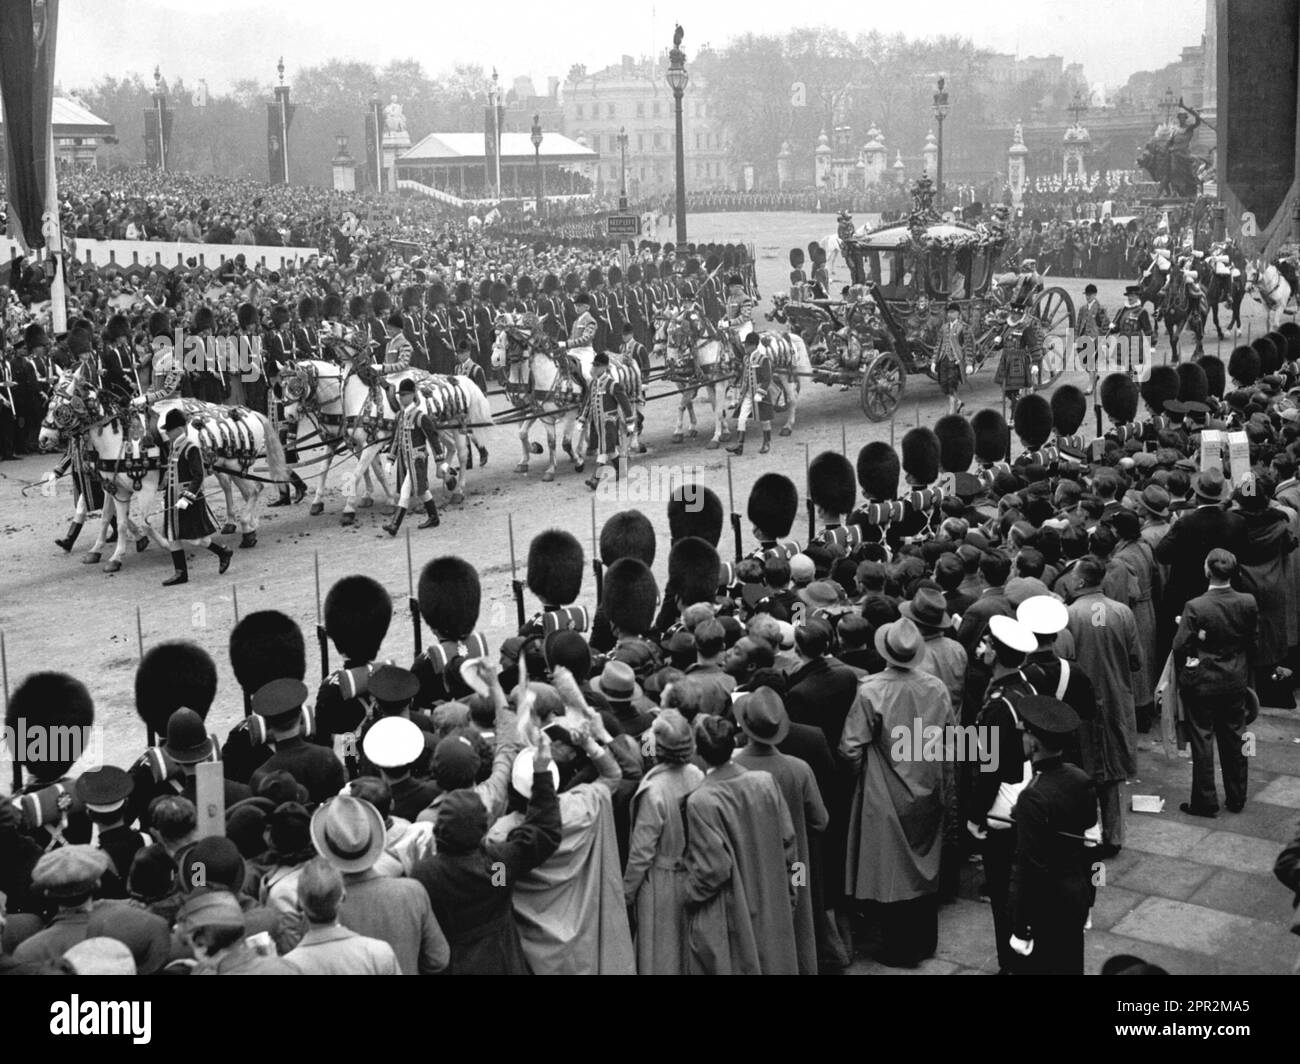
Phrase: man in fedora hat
[1051,887]
[1193,536]
[762,718]
[894,866]
[351,835]
[212,925]
[617,683]
[188,518]
[944,656]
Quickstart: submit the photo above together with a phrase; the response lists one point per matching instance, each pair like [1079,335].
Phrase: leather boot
[74,530]
[431,510]
[739,446]
[395,522]
[767,442]
[299,487]
[182,574]
[283,500]
[224,554]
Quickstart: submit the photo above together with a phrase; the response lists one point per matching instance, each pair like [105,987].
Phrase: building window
[613,170]
[613,142]
[656,108]
[609,110]
[579,110]
[698,142]
[640,142]
[643,173]
[659,140]
[640,110]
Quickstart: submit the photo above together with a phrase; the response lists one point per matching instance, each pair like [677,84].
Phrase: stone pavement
[1195,896]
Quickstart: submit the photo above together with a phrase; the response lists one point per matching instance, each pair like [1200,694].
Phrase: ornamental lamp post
[940,113]
[622,188]
[160,103]
[677,80]
[537,159]
[379,133]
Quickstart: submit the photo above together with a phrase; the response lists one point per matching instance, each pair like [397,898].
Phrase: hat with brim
[349,833]
[1047,717]
[188,741]
[1043,614]
[927,609]
[821,594]
[393,742]
[762,716]
[1155,500]
[617,682]
[1011,633]
[521,773]
[900,643]
[1210,486]
[100,956]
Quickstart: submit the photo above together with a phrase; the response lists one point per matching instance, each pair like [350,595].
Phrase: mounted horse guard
[1223,275]
[126,443]
[550,384]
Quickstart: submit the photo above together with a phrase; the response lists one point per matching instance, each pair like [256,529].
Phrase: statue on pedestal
[394,120]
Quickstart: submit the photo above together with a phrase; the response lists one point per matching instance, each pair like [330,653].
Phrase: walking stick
[322,639]
[13,752]
[516,586]
[597,568]
[412,602]
[735,517]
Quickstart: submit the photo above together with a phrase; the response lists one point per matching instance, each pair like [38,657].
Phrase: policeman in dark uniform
[1051,887]
[280,703]
[104,793]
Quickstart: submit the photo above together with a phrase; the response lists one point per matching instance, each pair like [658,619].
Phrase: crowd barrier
[167,254]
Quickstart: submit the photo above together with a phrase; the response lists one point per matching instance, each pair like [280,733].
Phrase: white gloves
[138,401]
[975,830]
[50,477]
[182,504]
[1023,946]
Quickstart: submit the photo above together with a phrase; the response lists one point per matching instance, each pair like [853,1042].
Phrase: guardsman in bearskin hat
[920,462]
[821,278]
[416,441]
[1033,426]
[878,471]
[381,307]
[1134,328]
[629,600]
[832,489]
[438,332]
[956,448]
[772,507]
[1243,366]
[992,438]
[550,310]
[484,321]
[754,384]
[277,348]
[357,614]
[627,534]
[1119,398]
[693,573]
[694,511]
[1159,388]
[306,334]
[248,336]
[1069,407]
[615,308]
[634,350]
[605,416]
[208,383]
[462,315]
[413,325]
[118,361]
[1216,378]
[599,310]
[638,305]
[331,314]
[187,517]
[555,567]
[568,305]
[265,645]
[449,594]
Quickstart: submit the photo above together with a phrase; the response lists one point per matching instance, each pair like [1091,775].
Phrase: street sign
[623,225]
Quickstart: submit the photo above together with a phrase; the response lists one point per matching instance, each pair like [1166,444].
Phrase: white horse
[129,460]
[694,360]
[1268,285]
[790,364]
[550,388]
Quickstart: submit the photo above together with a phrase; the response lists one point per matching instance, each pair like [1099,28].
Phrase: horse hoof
[348,519]
[141,544]
[522,467]
[457,496]
[695,434]
[248,539]
[113,566]
[713,445]
[548,476]
[535,448]
[366,502]
[578,467]
[677,437]
[91,559]
[316,509]
[228,529]
[785,431]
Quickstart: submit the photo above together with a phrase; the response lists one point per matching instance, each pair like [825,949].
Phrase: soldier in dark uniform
[772,507]
[992,440]
[831,490]
[710,293]
[1119,398]
[1033,425]
[265,645]
[638,306]
[118,361]
[628,598]
[599,308]
[920,461]
[570,308]
[188,519]
[414,326]
[306,335]
[1051,887]
[467,367]
[635,350]
[280,704]
[550,310]
[277,348]
[615,308]
[449,594]
[484,325]
[878,470]
[380,309]
[462,317]
[606,414]
[1133,327]
[438,329]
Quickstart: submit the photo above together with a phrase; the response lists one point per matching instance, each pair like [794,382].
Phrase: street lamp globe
[537,132]
[941,102]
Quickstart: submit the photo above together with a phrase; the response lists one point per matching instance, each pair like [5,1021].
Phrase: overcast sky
[225,40]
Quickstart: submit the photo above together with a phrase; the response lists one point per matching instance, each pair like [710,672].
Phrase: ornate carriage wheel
[1054,310]
[883,382]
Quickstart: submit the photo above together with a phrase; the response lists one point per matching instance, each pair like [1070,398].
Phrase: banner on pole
[27,35]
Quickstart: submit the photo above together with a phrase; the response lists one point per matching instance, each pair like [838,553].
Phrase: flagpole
[54,237]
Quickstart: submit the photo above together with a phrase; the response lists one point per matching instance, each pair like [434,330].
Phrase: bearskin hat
[436,294]
[629,596]
[357,307]
[449,594]
[649,271]
[694,510]
[1244,364]
[711,263]
[307,308]
[555,565]
[412,296]
[1270,361]
[627,534]
[830,482]
[991,435]
[615,275]
[34,334]
[1033,420]
[280,314]
[634,274]
[524,286]
[572,282]
[485,289]
[1069,407]
[380,303]
[49,700]
[692,268]
[80,342]
[464,292]
[246,315]
[595,278]
[773,503]
[499,291]
[357,614]
[956,443]
[331,309]
[1119,397]
[118,328]
[813,248]
[1291,331]
[1192,385]
[878,470]
[160,324]
[1215,375]
[203,319]
[172,675]
[1160,387]
[921,455]
[797,258]
[693,570]
[265,646]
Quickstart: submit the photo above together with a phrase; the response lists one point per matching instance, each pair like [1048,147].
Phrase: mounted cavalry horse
[549,386]
[1223,276]
[1183,304]
[130,463]
[1270,285]
[350,406]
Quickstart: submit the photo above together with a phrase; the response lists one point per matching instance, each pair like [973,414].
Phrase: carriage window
[980,266]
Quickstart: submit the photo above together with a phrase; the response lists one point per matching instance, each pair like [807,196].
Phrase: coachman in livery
[188,519]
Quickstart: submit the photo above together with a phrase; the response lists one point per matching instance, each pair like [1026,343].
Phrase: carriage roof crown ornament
[923,194]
